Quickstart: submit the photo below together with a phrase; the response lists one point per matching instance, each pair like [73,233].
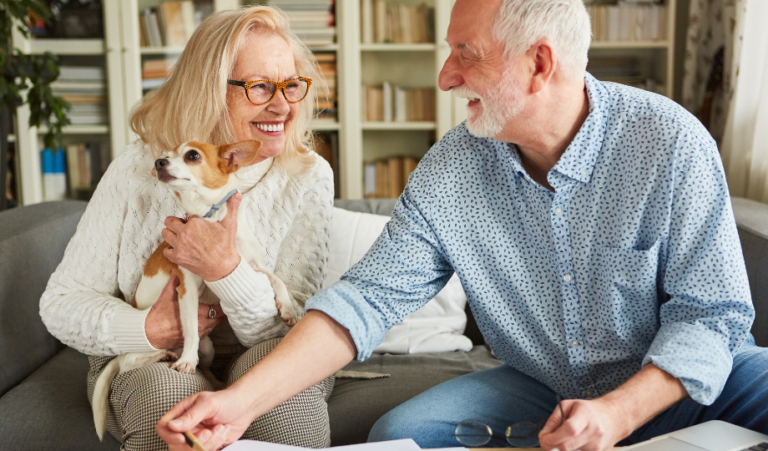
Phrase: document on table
[392,445]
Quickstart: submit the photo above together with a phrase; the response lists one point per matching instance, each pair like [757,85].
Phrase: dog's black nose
[159,163]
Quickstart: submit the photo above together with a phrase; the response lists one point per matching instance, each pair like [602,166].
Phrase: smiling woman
[204,98]
[242,77]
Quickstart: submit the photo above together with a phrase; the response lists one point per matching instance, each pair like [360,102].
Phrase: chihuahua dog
[203,177]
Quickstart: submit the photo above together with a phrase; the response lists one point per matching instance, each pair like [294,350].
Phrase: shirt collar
[579,158]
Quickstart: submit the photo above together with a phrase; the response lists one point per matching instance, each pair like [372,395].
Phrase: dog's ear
[232,156]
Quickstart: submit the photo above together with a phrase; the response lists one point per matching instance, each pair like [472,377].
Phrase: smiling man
[592,231]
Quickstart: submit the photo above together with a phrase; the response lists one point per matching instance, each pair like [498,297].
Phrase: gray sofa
[43,402]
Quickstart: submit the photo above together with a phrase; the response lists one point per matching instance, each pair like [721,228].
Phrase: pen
[192,442]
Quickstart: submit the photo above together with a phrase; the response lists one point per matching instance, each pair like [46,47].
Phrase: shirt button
[583,173]
[574,342]
[590,393]
[567,277]
[558,211]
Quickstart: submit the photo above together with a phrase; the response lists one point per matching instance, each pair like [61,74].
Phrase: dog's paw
[169,356]
[186,366]
[287,312]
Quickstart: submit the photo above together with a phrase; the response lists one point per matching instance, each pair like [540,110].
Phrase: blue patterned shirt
[634,259]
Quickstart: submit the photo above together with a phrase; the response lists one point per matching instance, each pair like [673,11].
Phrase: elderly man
[591,228]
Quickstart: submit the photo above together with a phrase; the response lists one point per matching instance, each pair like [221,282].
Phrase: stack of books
[391,103]
[313,21]
[85,88]
[326,105]
[385,22]
[624,70]
[154,72]
[629,21]
[171,23]
[386,178]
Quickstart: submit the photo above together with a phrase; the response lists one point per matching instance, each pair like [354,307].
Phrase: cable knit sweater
[86,304]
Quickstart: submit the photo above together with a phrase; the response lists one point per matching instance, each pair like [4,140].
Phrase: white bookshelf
[411,65]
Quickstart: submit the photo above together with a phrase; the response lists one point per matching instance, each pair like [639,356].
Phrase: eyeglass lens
[473,433]
[263,91]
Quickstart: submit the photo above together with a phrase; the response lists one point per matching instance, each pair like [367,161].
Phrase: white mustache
[463,92]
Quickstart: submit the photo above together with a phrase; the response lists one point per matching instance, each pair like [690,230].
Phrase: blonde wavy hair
[192,104]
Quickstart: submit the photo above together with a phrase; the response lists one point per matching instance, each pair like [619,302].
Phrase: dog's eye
[192,155]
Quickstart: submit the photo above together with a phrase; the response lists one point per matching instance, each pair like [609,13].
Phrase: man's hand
[597,425]
[205,248]
[589,426]
[163,323]
[216,418]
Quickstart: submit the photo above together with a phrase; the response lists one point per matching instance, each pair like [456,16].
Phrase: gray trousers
[138,398]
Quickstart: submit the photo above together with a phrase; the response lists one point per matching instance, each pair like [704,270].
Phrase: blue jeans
[503,396]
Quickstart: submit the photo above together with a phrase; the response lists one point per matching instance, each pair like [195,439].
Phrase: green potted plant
[27,79]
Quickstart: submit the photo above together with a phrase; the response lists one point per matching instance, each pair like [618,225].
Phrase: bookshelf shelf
[397,47]
[325,125]
[324,48]
[82,130]
[166,50]
[67,46]
[630,45]
[399,126]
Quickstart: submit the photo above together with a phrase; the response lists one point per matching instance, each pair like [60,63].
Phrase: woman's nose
[279,104]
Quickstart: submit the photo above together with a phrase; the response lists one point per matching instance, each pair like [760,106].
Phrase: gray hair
[565,23]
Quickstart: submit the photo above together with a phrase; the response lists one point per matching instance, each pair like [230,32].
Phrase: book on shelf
[85,88]
[171,23]
[386,178]
[391,103]
[388,22]
[628,21]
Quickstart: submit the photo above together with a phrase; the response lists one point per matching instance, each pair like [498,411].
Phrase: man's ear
[232,156]
[545,64]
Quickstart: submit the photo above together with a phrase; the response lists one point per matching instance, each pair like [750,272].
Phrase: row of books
[628,21]
[85,88]
[325,108]
[326,144]
[73,172]
[386,22]
[313,21]
[624,70]
[171,23]
[386,178]
[391,103]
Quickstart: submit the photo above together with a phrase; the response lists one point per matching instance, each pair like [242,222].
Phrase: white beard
[500,105]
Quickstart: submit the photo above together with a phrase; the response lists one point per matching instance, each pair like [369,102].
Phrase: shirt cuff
[128,331]
[238,288]
[694,355]
[348,307]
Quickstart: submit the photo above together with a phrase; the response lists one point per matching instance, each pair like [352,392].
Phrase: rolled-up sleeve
[403,270]
[709,311]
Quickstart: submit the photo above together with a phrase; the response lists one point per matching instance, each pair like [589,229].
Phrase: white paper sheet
[392,445]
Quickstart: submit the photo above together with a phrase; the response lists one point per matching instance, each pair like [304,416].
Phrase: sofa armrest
[752,222]
[32,243]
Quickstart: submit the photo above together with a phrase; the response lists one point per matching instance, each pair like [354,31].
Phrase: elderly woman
[242,76]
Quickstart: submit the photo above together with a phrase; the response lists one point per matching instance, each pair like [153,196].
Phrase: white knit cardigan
[86,304]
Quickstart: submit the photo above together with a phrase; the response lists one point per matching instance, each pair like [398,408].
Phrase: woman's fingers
[233,205]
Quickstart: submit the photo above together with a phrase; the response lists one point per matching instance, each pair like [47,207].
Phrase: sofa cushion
[356,404]
[35,237]
[435,327]
[50,409]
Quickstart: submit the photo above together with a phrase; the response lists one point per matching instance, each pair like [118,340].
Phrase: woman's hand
[205,248]
[163,323]
[216,418]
